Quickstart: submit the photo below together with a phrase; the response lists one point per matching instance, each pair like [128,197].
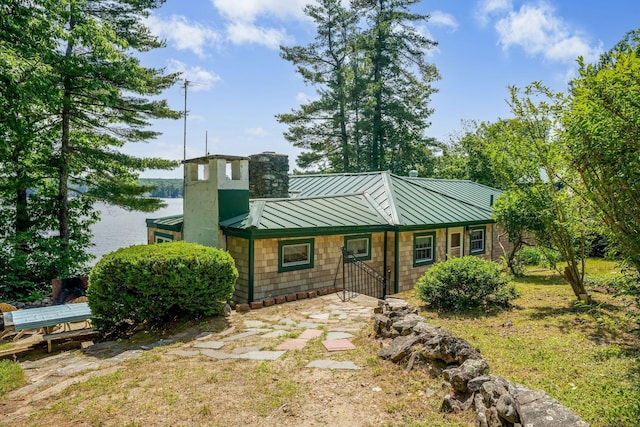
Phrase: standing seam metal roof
[372,198]
[325,211]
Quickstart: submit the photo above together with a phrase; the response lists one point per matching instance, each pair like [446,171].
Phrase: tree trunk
[63,165]
[572,276]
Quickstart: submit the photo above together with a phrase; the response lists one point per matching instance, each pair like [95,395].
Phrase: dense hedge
[150,283]
[465,283]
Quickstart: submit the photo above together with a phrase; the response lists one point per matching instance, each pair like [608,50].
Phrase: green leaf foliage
[373,84]
[603,125]
[72,94]
[461,284]
[466,155]
[152,283]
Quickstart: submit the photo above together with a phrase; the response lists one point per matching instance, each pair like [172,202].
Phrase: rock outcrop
[413,342]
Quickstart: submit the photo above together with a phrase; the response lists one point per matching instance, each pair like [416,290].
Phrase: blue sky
[229,50]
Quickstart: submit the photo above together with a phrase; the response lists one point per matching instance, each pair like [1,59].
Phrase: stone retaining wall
[497,402]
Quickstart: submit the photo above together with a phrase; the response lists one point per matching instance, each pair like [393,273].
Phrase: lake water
[119,228]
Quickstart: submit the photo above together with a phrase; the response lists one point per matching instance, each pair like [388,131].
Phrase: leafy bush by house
[465,283]
[151,283]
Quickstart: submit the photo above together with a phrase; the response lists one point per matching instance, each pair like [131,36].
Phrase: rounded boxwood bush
[465,283]
[151,283]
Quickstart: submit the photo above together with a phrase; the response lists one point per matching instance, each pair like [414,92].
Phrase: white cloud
[257,132]
[538,31]
[244,19]
[249,10]
[199,78]
[182,34]
[492,7]
[445,19]
[242,32]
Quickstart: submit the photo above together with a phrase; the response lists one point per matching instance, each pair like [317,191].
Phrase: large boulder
[459,376]
[450,349]
[536,408]
[400,348]
[405,325]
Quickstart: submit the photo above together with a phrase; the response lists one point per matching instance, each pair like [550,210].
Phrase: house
[291,241]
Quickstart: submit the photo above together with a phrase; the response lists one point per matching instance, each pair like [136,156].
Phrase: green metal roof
[417,205]
[464,190]
[173,223]
[313,212]
[374,199]
[407,201]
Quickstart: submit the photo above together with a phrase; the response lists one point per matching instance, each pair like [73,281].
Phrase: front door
[456,247]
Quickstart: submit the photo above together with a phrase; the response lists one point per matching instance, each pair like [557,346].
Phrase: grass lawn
[11,376]
[584,356]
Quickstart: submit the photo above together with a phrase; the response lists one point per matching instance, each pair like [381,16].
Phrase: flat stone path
[256,335]
[336,322]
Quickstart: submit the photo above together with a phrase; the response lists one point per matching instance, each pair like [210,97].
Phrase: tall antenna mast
[186,85]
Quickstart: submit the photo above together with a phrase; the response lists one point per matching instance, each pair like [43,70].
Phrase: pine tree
[322,125]
[399,84]
[82,96]
[368,66]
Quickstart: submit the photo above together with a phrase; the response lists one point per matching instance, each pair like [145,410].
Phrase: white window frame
[161,239]
[367,244]
[295,263]
[283,246]
[417,248]
[481,240]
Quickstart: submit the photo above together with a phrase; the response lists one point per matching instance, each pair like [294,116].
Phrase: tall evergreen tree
[74,94]
[373,84]
[102,104]
[399,84]
[322,125]
[26,35]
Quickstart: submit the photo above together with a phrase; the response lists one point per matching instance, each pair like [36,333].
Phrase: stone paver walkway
[266,336]
[337,322]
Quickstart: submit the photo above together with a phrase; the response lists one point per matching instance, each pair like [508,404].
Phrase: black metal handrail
[360,278]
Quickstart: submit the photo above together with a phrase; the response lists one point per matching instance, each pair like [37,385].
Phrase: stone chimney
[268,175]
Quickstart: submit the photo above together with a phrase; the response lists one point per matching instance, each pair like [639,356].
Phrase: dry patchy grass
[582,356]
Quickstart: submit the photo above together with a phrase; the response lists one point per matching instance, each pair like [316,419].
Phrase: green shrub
[152,283]
[529,255]
[535,255]
[465,283]
[11,376]
[613,283]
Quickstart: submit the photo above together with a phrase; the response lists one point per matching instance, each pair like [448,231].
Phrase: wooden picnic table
[48,318]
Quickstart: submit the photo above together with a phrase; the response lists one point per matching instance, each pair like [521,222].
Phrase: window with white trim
[358,246]
[295,254]
[424,248]
[477,240]
[162,238]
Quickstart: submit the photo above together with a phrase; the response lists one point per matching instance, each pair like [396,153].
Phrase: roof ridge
[315,175]
[388,189]
[411,181]
[293,199]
